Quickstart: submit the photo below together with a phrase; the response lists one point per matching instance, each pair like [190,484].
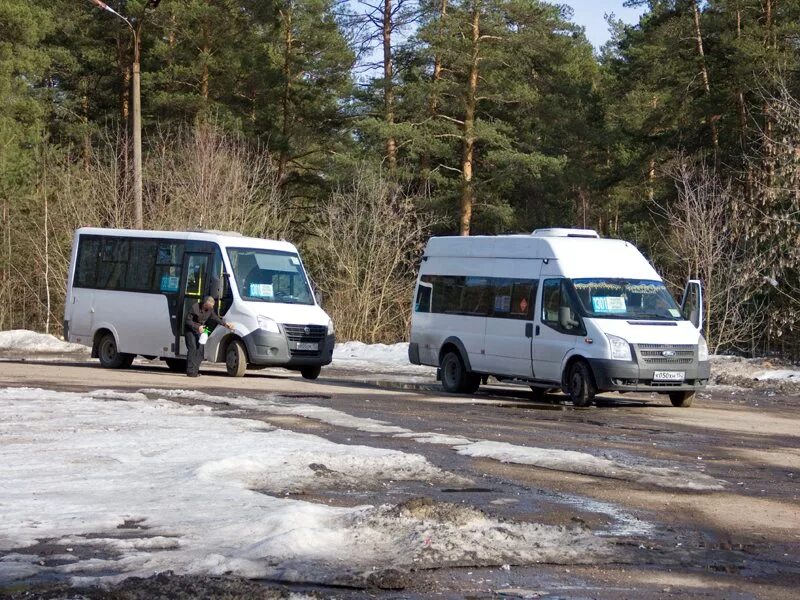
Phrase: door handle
[529,330]
[537,330]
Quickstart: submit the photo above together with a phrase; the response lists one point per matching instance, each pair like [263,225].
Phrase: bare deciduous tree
[369,237]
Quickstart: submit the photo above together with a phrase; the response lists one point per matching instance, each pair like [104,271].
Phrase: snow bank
[754,373]
[380,358]
[22,340]
[125,486]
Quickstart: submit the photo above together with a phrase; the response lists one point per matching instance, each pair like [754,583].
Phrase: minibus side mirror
[692,303]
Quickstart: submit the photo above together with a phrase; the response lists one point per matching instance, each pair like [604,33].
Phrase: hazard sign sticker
[523,306]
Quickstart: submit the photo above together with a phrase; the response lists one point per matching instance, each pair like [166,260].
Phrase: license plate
[307,346]
[669,375]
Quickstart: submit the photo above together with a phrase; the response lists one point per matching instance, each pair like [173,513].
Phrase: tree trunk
[388,85]
[288,42]
[710,119]
[467,186]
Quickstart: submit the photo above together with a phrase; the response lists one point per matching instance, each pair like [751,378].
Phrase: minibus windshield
[626,299]
[269,276]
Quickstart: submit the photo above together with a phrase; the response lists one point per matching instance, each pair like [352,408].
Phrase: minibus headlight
[330,327]
[268,324]
[620,349]
[702,350]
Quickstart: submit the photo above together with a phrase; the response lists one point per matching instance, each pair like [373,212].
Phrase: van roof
[576,256]
[226,238]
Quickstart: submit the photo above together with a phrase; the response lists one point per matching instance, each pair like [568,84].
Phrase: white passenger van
[560,308]
[128,293]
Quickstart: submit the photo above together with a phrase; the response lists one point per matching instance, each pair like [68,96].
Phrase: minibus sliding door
[194,285]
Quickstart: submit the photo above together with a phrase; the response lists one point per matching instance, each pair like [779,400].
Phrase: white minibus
[128,293]
[560,308]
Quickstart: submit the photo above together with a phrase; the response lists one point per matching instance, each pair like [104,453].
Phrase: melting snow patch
[150,486]
[588,464]
[380,358]
[22,340]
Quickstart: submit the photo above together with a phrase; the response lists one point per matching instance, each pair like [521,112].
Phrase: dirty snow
[547,458]
[121,486]
[588,464]
[22,340]
[754,372]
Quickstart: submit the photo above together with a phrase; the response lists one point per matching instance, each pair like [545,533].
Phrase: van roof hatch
[565,232]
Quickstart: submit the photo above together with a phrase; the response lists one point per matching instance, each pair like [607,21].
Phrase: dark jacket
[200,316]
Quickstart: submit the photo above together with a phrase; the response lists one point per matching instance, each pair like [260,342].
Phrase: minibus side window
[423,303]
[141,266]
[558,311]
[86,269]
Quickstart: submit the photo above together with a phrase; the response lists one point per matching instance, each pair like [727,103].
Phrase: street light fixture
[137,116]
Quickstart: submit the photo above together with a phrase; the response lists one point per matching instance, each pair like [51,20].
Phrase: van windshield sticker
[675,312]
[294,260]
[261,290]
[502,304]
[609,304]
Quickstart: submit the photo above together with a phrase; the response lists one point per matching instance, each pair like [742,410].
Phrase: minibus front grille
[305,334]
[666,354]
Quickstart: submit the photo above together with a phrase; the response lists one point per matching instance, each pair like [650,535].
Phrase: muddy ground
[742,541]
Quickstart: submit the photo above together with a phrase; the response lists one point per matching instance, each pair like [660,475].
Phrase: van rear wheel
[110,357]
[681,399]
[455,377]
[236,359]
[581,384]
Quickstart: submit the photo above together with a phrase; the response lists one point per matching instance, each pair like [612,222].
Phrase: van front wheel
[581,384]
[681,399]
[310,372]
[455,377]
[236,359]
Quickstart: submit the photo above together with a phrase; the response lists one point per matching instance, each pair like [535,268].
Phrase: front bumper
[275,350]
[624,376]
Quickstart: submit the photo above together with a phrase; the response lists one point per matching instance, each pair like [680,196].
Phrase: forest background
[356,129]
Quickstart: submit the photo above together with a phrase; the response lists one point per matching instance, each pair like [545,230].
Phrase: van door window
[558,310]
[423,302]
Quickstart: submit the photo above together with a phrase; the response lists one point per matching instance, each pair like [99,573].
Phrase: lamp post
[137,118]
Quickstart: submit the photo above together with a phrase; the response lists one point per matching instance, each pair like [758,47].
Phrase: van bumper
[273,350]
[623,376]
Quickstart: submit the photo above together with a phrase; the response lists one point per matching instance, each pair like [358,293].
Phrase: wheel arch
[224,344]
[571,360]
[454,343]
[98,334]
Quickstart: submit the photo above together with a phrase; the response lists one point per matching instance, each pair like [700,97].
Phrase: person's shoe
[192,374]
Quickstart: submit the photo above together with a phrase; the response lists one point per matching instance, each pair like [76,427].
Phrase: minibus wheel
[455,377]
[310,372]
[110,357]
[681,399]
[236,359]
[581,384]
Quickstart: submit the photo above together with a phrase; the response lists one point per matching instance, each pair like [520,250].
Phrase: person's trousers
[194,353]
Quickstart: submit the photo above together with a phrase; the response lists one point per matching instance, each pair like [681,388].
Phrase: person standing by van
[200,314]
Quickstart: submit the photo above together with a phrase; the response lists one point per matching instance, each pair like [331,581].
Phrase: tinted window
[86,267]
[114,257]
[141,267]
[558,310]
[503,298]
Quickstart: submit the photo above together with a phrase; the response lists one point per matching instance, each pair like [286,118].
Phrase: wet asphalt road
[739,542]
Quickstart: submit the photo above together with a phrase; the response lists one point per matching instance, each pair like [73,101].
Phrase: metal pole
[137,116]
[137,137]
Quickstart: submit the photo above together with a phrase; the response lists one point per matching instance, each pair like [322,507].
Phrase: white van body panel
[143,325]
[530,349]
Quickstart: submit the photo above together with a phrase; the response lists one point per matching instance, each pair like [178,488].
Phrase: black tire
[581,384]
[455,377]
[681,399]
[176,365]
[110,357]
[310,372]
[236,359]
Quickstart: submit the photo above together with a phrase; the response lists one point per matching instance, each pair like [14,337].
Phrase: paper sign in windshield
[675,312]
[261,290]
[609,304]
[169,284]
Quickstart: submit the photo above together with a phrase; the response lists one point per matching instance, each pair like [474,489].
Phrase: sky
[590,14]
